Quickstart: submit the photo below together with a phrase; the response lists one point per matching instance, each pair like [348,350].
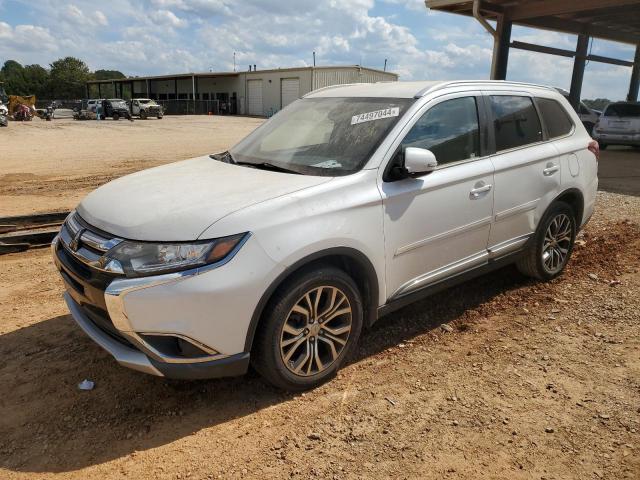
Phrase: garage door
[254,88]
[289,90]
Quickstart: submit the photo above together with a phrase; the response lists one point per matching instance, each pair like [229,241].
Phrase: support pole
[193,92]
[147,88]
[579,63]
[99,90]
[634,86]
[501,43]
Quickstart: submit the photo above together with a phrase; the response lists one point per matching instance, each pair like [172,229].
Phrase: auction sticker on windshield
[377,115]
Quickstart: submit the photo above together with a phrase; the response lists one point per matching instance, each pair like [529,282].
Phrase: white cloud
[166,36]
[168,18]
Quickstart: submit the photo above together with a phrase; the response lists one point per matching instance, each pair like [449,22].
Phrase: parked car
[587,115]
[619,125]
[93,103]
[115,108]
[347,205]
[4,115]
[146,107]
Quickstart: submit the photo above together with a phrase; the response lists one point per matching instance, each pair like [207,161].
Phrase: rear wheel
[551,245]
[311,327]
[116,116]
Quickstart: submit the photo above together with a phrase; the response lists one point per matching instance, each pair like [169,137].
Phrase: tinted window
[623,110]
[516,121]
[555,117]
[449,129]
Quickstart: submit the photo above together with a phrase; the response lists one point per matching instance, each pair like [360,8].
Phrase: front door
[438,225]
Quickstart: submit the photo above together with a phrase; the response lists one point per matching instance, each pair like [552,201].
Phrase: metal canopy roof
[616,20]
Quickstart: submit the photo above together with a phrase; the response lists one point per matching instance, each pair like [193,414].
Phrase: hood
[178,201]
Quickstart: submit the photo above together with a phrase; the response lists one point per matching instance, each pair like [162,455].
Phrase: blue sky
[166,36]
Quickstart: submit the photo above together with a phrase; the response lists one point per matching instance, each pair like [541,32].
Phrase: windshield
[146,101]
[322,136]
[623,110]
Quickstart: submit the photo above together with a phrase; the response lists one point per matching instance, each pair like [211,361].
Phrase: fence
[170,107]
[190,107]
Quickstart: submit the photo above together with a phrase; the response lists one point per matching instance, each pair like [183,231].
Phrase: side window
[555,117]
[449,129]
[516,121]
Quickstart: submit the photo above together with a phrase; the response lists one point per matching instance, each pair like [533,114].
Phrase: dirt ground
[525,381]
[47,166]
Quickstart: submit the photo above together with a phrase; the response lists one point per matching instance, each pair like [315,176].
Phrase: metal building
[614,20]
[255,92]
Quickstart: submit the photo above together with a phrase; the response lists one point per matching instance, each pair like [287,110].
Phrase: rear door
[527,170]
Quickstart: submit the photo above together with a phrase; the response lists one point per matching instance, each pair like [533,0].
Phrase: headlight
[139,259]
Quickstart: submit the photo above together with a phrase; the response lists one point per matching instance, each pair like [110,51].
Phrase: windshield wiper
[267,166]
[224,157]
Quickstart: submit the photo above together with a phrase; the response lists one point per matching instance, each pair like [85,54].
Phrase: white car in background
[348,204]
[619,124]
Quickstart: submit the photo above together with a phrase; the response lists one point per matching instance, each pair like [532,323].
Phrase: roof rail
[330,87]
[446,84]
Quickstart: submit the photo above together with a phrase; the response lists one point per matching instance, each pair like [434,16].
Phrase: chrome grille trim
[92,245]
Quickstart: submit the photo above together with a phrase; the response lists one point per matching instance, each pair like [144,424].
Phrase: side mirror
[419,161]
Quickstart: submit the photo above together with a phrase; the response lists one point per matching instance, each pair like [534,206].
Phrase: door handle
[475,192]
[550,170]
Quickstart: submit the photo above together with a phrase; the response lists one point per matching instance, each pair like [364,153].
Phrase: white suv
[343,207]
[619,125]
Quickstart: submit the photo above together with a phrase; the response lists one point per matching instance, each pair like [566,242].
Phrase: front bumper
[208,308]
[134,359]
[617,138]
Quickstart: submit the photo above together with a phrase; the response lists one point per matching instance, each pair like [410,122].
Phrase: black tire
[159,117]
[116,116]
[267,357]
[143,115]
[532,263]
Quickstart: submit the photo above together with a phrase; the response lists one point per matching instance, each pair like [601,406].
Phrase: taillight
[594,147]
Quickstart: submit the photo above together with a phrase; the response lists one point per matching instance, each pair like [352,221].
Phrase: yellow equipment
[15,100]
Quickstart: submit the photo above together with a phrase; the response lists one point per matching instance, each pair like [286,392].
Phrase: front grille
[80,268]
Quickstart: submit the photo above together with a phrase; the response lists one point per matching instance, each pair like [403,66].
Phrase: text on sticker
[377,115]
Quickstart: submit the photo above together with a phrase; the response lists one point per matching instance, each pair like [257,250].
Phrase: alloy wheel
[557,243]
[316,331]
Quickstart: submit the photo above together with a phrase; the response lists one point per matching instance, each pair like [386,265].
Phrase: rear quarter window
[555,117]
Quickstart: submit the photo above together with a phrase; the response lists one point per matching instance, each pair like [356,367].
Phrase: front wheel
[143,115]
[116,116]
[551,245]
[311,327]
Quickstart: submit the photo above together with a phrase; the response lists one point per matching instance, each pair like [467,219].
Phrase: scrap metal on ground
[23,232]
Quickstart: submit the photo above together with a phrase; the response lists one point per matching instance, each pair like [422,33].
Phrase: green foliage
[65,79]
[107,74]
[68,77]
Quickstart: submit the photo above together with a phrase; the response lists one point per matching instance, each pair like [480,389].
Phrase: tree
[12,74]
[68,78]
[36,81]
[598,103]
[108,74]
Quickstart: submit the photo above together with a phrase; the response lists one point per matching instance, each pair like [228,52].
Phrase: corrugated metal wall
[324,77]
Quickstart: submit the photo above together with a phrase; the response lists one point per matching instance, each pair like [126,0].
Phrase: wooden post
[634,86]
[579,63]
[501,49]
